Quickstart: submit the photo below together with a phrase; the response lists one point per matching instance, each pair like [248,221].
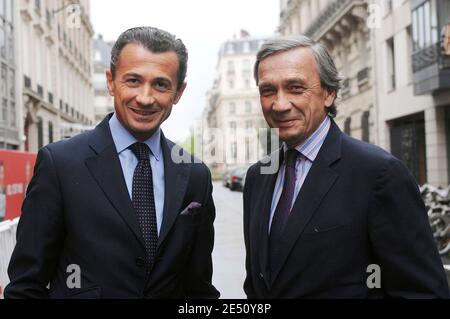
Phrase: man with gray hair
[110,213]
[340,218]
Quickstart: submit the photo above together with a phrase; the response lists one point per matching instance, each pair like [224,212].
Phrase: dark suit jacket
[78,211]
[358,206]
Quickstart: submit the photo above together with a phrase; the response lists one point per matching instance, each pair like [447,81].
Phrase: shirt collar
[123,138]
[311,146]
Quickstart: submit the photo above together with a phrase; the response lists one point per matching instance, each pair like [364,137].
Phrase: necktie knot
[140,150]
[291,157]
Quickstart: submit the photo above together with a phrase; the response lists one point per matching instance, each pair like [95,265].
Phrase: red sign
[16,170]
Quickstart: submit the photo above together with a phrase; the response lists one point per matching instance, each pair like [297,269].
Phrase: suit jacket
[78,211]
[358,206]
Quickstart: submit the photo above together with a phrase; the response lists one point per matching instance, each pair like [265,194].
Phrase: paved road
[229,250]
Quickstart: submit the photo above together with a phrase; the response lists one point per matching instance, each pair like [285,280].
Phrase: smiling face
[291,95]
[144,89]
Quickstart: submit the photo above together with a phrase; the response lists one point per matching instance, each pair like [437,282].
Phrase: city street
[229,251]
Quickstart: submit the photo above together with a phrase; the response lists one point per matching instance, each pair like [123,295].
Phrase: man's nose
[282,103]
[145,96]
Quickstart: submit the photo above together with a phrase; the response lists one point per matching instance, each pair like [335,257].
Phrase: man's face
[291,96]
[144,89]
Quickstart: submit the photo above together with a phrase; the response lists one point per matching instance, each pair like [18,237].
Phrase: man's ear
[179,93]
[110,82]
[330,97]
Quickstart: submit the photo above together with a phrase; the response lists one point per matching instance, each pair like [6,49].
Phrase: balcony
[344,14]
[431,70]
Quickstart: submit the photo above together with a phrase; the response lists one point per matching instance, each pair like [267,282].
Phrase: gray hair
[156,41]
[329,76]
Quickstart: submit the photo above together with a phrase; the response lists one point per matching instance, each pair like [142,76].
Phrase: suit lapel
[318,182]
[106,169]
[176,178]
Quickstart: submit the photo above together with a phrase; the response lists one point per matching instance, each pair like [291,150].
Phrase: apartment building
[54,70]
[233,106]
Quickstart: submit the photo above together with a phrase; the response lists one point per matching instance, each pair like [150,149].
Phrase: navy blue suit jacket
[358,206]
[78,211]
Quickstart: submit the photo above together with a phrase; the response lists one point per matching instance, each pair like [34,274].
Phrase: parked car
[237,178]
[226,179]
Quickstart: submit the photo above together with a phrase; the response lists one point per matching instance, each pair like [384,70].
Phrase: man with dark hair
[340,218]
[110,213]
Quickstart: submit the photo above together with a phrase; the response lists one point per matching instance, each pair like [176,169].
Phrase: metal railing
[7,242]
[428,56]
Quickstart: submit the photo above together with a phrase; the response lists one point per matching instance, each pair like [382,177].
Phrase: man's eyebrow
[161,78]
[264,84]
[295,80]
[131,74]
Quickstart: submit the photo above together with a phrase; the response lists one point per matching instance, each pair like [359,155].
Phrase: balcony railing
[330,12]
[428,56]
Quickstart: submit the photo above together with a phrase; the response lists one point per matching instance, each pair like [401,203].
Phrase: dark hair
[329,76]
[154,40]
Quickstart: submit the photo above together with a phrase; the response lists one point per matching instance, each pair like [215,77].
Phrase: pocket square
[190,209]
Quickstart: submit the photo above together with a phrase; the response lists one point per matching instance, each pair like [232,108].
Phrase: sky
[203,25]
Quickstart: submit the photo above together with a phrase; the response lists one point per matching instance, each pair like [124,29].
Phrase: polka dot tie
[144,201]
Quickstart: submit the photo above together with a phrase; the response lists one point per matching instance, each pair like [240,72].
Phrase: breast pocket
[323,229]
[189,219]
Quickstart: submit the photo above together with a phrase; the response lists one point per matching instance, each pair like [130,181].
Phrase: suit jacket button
[261,275]
[140,262]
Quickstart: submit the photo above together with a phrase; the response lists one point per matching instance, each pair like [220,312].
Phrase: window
[249,124]
[3,112]
[9,12]
[231,84]
[232,108]
[230,48]
[247,149]
[50,132]
[11,83]
[10,42]
[230,69]
[248,107]
[12,114]
[388,6]
[246,69]
[98,56]
[3,82]
[234,150]
[40,128]
[347,124]
[390,64]
[424,25]
[365,126]
[2,41]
